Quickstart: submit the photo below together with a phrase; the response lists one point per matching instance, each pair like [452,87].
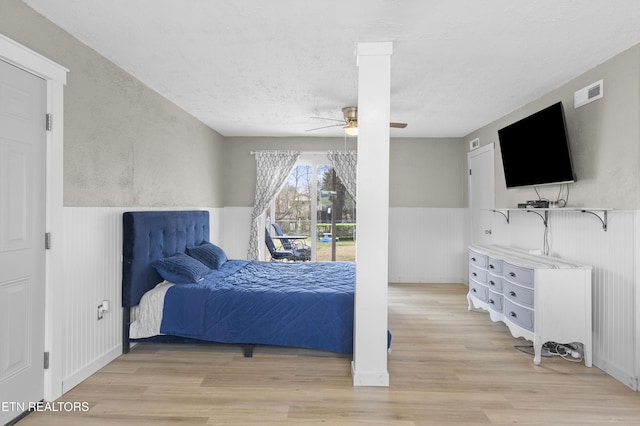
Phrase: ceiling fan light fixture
[351,128]
[350,122]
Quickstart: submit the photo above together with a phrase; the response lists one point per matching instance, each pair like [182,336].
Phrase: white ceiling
[264,68]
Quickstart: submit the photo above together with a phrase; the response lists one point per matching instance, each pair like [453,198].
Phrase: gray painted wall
[240,165]
[124,145]
[427,172]
[604,138]
[423,172]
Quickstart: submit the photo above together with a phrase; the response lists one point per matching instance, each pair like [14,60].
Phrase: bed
[246,303]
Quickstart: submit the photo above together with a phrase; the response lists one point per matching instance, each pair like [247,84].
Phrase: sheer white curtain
[273,169]
[344,163]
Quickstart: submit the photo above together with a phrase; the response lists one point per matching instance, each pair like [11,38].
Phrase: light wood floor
[448,365]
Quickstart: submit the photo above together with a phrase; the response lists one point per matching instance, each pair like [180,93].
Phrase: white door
[22,229]
[481,194]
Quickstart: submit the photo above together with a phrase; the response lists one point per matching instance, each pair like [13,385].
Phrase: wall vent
[588,94]
[473,144]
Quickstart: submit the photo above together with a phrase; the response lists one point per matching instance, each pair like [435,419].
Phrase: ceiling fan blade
[325,127]
[398,125]
[324,118]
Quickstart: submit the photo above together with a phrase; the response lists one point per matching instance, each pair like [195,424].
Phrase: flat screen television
[535,150]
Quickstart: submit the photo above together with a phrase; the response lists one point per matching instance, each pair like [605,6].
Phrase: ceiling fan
[350,122]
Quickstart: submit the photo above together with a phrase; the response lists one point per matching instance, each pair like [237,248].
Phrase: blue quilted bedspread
[307,305]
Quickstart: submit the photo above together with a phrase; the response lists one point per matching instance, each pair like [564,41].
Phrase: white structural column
[369,366]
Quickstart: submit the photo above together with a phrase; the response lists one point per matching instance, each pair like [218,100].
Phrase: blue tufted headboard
[152,235]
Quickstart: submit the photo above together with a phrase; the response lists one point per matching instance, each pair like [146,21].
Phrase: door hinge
[47,240]
[49,121]
[46,360]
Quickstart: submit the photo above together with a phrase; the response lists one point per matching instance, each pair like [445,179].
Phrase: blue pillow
[209,254]
[180,269]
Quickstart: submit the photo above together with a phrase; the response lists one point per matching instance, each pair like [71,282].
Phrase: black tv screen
[535,150]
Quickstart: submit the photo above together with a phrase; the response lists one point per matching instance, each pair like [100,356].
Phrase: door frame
[56,77]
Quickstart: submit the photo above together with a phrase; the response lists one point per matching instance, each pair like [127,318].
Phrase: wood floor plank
[448,365]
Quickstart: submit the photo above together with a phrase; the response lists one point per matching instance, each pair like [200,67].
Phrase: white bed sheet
[148,314]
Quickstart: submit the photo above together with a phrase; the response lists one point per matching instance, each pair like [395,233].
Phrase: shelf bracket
[602,219]
[506,215]
[544,218]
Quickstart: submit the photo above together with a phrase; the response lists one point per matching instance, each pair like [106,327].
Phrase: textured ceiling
[264,68]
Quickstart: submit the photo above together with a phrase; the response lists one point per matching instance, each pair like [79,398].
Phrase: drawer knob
[513,314]
[491,301]
[492,283]
[474,274]
[473,259]
[512,293]
[491,267]
[512,274]
[474,290]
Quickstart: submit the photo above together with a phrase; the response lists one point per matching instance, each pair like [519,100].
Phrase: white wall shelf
[600,213]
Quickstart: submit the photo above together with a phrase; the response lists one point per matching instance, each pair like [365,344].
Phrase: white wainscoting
[581,238]
[235,235]
[92,273]
[428,245]
[92,247]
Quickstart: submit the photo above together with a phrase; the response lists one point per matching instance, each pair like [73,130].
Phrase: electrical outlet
[102,308]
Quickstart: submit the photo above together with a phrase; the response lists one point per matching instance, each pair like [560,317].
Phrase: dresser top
[524,258]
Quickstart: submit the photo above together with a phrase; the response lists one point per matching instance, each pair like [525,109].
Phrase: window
[315,203]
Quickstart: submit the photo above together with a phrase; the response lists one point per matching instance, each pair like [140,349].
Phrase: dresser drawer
[518,294]
[478,259]
[519,315]
[494,265]
[477,274]
[479,291]
[517,274]
[495,301]
[494,282]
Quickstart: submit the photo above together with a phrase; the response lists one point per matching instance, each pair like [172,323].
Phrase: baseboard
[427,279]
[81,375]
[618,374]
[369,378]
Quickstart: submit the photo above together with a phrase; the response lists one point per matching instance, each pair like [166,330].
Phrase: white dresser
[540,298]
